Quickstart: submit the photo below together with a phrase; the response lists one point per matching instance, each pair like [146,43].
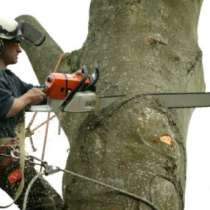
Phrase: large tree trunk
[135,143]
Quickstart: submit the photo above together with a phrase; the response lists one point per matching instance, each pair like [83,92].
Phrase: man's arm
[33,96]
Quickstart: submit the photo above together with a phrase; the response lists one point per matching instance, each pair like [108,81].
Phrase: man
[15,96]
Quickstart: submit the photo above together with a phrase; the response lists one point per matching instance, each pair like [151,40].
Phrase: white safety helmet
[9,29]
[17,31]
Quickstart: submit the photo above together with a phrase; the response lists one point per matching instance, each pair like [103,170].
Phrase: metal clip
[14,153]
[50,169]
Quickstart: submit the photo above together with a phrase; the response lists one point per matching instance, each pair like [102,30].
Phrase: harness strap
[20,131]
[20,142]
[5,146]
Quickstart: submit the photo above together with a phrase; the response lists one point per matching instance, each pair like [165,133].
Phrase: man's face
[11,51]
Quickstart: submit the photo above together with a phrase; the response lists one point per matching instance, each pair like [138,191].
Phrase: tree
[135,143]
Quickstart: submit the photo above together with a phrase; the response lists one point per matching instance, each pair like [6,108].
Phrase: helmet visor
[30,34]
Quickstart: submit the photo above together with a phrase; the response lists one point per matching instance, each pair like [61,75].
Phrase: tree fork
[137,145]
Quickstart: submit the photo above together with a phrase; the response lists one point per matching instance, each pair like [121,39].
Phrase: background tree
[135,143]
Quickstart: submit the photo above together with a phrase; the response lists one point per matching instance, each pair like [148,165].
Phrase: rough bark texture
[141,46]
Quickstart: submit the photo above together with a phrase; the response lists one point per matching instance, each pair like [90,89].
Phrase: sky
[67,22]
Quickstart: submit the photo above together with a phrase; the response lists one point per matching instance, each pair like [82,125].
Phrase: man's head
[10,53]
[10,37]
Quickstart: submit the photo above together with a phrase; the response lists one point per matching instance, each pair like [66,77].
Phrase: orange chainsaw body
[57,85]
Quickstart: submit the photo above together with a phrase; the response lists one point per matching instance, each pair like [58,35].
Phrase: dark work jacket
[10,88]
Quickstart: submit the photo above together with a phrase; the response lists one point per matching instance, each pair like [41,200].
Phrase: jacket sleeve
[24,87]
[6,101]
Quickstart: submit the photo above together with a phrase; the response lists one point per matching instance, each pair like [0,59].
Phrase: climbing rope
[30,131]
[50,169]
[41,161]
[19,156]
[45,141]
[60,59]
[20,132]
[29,189]
[119,190]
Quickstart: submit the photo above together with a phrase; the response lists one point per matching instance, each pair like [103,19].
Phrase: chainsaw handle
[43,86]
[85,71]
[95,76]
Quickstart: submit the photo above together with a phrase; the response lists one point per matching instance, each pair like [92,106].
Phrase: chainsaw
[76,92]
[69,92]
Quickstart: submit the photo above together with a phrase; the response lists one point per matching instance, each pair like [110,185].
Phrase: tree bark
[135,143]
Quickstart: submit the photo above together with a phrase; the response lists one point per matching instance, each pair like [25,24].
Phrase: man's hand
[33,96]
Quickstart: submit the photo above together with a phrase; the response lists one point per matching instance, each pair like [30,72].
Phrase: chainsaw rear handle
[59,85]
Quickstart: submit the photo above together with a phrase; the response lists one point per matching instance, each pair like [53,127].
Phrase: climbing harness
[21,148]
[19,154]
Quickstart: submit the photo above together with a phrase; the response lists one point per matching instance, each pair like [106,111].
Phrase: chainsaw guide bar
[87,101]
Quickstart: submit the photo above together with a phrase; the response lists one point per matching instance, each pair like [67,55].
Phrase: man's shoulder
[2,76]
[4,72]
[9,72]
[7,77]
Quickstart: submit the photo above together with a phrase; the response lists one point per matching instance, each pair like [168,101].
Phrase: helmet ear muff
[2,46]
